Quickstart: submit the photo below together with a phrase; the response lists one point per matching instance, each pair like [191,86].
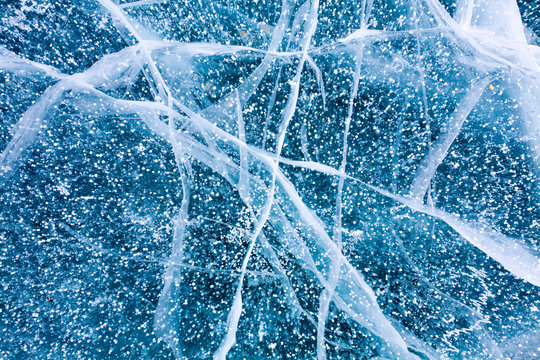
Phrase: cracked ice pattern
[270,179]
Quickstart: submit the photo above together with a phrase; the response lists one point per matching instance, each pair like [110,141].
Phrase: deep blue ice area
[270,179]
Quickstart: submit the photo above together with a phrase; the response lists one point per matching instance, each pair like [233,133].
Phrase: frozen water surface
[270,179]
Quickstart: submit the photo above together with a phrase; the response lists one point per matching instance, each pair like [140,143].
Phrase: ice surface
[270,179]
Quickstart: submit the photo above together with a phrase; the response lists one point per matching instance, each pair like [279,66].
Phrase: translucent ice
[270,179]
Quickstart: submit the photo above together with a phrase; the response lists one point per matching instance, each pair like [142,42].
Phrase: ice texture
[270,179]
